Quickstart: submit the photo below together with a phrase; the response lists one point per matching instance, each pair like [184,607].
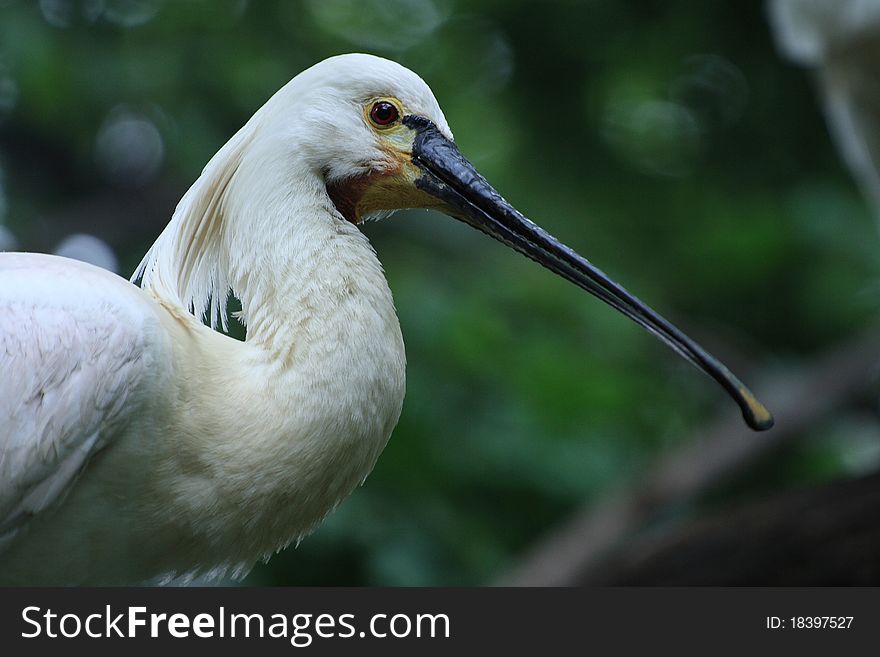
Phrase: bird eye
[383,113]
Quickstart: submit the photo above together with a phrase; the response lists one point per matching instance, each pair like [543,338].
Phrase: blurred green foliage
[666,141]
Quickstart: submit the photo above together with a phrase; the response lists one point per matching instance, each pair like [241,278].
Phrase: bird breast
[273,434]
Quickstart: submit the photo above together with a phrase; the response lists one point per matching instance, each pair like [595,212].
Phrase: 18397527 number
[809,622]
[821,622]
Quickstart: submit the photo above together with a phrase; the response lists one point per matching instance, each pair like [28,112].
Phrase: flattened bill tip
[754,412]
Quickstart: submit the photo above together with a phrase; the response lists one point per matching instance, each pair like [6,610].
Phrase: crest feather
[187,264]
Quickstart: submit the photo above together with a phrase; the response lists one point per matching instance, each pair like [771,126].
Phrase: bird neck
[316,272]
[293,419]
[259,223]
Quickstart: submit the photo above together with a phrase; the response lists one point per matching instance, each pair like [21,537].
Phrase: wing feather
[74,353]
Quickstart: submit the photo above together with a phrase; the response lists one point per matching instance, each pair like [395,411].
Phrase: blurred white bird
[88,248]
[139,445]
[841,40]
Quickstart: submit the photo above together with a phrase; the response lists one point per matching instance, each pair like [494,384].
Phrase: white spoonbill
[139,445]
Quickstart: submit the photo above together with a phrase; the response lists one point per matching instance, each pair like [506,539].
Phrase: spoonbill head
[138,444]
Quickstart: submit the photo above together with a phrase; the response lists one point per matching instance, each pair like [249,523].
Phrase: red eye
[383,113]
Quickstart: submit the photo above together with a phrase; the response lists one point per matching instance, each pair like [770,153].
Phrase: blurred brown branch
[577,552]
[826,535]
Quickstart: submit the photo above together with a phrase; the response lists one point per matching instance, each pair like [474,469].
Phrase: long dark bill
[447,175]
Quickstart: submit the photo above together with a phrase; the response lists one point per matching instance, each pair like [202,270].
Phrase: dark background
[667,141]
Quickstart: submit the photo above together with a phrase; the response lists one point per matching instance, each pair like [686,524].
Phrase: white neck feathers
[258,222]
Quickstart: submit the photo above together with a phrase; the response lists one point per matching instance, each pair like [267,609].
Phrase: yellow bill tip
[754,412]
